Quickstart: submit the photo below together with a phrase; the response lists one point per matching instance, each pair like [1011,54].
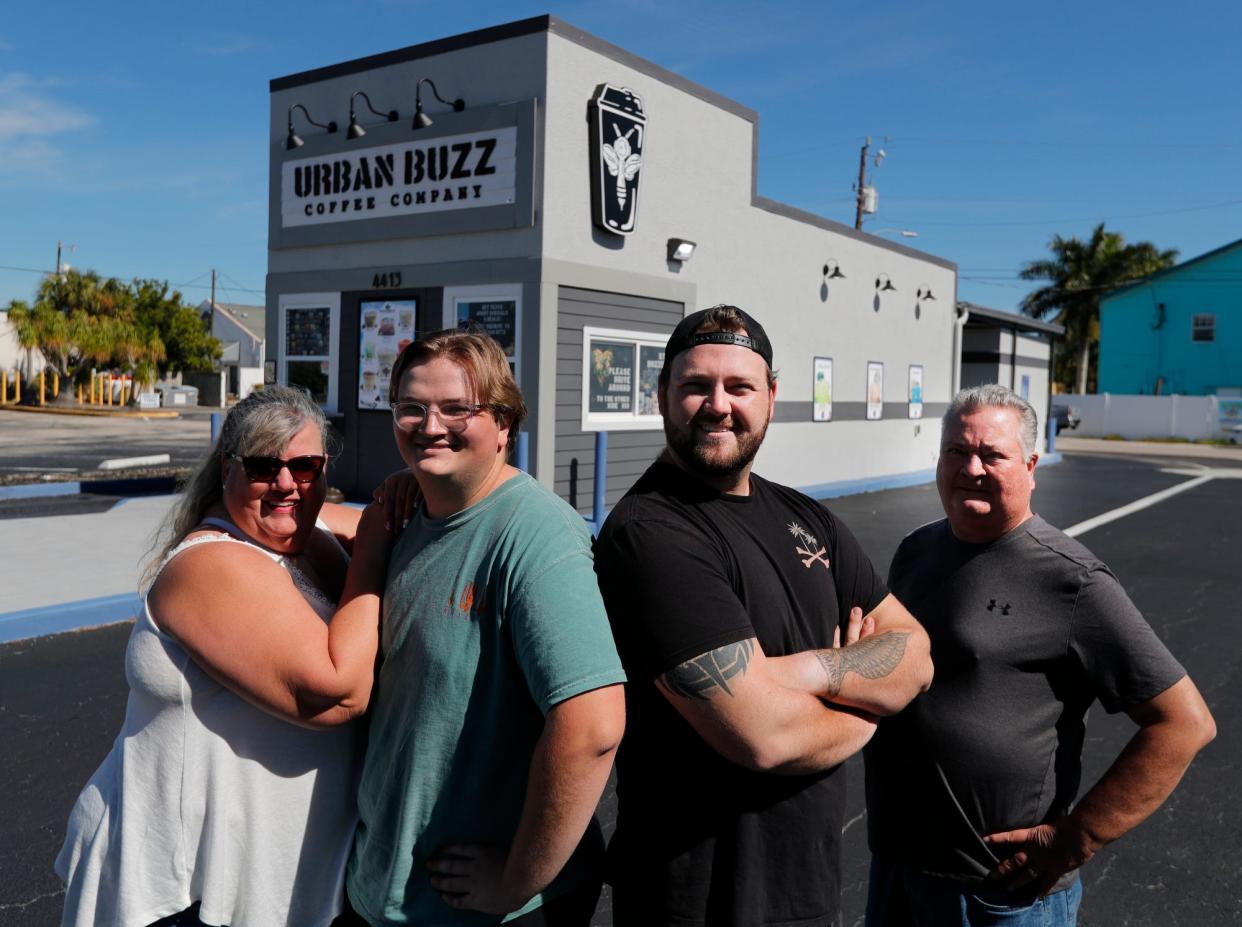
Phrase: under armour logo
[992,606]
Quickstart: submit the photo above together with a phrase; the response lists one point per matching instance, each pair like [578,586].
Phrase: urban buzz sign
[618,132]
[410,178]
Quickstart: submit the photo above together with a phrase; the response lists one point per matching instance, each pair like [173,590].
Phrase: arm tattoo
[872,658]
[710,672]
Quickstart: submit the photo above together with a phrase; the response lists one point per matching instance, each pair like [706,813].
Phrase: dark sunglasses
[304,469]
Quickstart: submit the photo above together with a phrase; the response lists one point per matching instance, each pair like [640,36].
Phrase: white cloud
[29,120]
[27,113]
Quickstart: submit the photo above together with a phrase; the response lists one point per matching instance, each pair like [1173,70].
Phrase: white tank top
[206,798]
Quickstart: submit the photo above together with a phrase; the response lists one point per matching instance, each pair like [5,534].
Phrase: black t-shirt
[1026,633]
[683,570]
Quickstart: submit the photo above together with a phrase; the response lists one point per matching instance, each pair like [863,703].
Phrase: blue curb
[871,484]
[68,616]
[37,490]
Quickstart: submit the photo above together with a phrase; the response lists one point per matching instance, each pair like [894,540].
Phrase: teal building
[1177,331]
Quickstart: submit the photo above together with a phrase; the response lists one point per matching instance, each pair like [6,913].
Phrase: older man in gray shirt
[971,790]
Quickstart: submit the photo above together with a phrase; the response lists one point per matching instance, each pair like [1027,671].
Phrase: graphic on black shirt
[688,573]
[816,552]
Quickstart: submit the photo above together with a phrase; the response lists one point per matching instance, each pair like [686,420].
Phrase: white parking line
[1146,502]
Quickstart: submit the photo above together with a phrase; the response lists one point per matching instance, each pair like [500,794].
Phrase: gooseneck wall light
[421,119]
[884,285]
[357,131]
[294,140]
[832,270]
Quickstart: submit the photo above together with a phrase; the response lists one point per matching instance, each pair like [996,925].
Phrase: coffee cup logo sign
[432,175]
[618,132]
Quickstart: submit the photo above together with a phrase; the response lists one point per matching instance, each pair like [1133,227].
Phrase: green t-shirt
[491,616]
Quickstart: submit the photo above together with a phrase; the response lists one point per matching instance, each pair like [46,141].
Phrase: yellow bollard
[55,384]
[79,394]
[17,386]
[124,392]
[108,391]
[4,387]
[95,394]
[42,388]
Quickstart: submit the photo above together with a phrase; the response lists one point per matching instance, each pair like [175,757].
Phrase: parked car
[1066,417]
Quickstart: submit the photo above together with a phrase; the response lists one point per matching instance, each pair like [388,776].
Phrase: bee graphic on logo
[622,162]
[618,139]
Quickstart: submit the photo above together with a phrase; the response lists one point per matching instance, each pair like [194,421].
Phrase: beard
[703,457]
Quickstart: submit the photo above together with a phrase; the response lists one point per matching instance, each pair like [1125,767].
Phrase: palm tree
[1080,273]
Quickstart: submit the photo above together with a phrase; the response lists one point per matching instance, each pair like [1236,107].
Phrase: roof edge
[1011,318]
[1150,278]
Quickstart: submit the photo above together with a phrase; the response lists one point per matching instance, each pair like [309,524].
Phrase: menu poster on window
[916,391]
[385,328]
[650,361]
[875,390]
[496,317]
[821,391]
[307,332]
[611,370]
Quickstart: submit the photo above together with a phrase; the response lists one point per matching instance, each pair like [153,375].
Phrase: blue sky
[136,131]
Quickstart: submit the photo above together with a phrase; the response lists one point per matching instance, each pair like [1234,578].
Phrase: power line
[1044,222]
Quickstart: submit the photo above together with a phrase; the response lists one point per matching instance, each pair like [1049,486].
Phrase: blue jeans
[899,896]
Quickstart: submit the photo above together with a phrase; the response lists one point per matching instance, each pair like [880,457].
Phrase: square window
[1203,328]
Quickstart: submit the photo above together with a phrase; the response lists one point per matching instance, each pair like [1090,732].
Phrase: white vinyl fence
[1138,417]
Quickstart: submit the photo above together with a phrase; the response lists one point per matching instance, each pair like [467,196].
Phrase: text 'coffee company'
[451,172]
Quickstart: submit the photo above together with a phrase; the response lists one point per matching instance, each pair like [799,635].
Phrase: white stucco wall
[696,184]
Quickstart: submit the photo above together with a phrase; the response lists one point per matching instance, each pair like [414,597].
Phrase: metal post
[216,421]
[1052,435]
[601,478]
[523,452]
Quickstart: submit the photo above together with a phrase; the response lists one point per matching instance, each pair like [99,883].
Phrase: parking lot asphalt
[61,446]
[62,698]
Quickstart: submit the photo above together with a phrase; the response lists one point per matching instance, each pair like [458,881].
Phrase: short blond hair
[487,371]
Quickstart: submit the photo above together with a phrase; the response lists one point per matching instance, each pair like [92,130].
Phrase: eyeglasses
[454,416]
[305,469]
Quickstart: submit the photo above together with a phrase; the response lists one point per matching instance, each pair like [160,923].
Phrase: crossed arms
[809,711]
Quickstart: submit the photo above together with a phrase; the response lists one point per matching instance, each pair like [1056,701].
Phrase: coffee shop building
[576,201]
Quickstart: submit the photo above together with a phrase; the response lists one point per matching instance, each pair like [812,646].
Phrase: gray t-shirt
[1026,633]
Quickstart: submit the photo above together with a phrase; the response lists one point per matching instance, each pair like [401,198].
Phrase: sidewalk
[72,571]
[1071,445]
[75,571]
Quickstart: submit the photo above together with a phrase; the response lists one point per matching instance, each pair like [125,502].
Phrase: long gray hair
[993,395]
[261,424]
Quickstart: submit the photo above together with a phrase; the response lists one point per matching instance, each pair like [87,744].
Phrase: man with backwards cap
[728,595]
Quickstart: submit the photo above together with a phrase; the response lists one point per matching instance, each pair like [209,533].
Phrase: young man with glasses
[498,705]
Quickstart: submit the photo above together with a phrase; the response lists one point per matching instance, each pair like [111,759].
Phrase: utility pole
[862,183]
[213,291]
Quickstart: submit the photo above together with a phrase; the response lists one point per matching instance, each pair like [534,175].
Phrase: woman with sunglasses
[228,798]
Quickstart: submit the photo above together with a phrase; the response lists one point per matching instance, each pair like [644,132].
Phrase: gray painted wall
[629,452]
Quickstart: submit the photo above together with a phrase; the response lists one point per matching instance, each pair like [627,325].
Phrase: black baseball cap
[685,337]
